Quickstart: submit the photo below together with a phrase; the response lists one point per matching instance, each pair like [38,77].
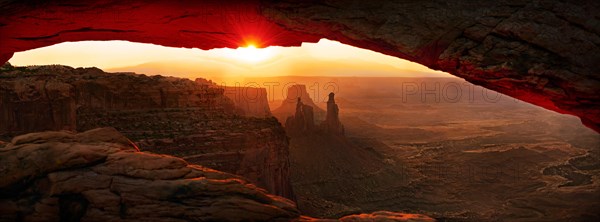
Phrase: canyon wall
[161,114]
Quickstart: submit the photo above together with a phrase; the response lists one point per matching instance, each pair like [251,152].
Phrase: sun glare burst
[252,54]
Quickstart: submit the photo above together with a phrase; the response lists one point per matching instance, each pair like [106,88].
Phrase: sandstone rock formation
[249,100]
[289,105]
[333,175]
[99,175]
[332,122]
[303,119]
[542,52]
[161,114]
[37,98]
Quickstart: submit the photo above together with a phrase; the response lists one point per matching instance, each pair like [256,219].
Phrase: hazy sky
[325,58]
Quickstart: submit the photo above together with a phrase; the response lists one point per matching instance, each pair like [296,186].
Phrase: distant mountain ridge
[296,66]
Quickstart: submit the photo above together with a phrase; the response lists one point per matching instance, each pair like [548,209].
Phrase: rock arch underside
[542,52]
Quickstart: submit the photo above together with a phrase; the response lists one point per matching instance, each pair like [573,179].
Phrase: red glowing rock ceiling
[542,52]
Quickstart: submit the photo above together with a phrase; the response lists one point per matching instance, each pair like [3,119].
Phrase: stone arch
[542,52]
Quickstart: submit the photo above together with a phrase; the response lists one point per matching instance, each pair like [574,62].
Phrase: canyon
[172,137]
[444,148]
[326,166]
[385,159]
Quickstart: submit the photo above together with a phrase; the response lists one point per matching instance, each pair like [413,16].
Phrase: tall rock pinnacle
[303,119]
[332,122]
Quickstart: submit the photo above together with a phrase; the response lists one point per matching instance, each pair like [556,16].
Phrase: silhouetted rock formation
[99,175]
[166,115]
[332,122]
[249,101]
[302,120]
[289,105]
[326,167]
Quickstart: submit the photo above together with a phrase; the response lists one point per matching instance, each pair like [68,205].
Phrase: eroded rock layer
[161,114]
[542,52]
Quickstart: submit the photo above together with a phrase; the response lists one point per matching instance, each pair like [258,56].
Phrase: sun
[252,54]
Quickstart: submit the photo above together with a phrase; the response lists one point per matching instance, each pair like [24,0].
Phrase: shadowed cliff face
[166,115]
[542,52]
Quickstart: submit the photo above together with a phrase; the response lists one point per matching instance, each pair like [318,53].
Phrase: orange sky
[325,58]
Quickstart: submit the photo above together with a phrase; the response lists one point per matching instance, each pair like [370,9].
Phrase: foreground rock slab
[99,175]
